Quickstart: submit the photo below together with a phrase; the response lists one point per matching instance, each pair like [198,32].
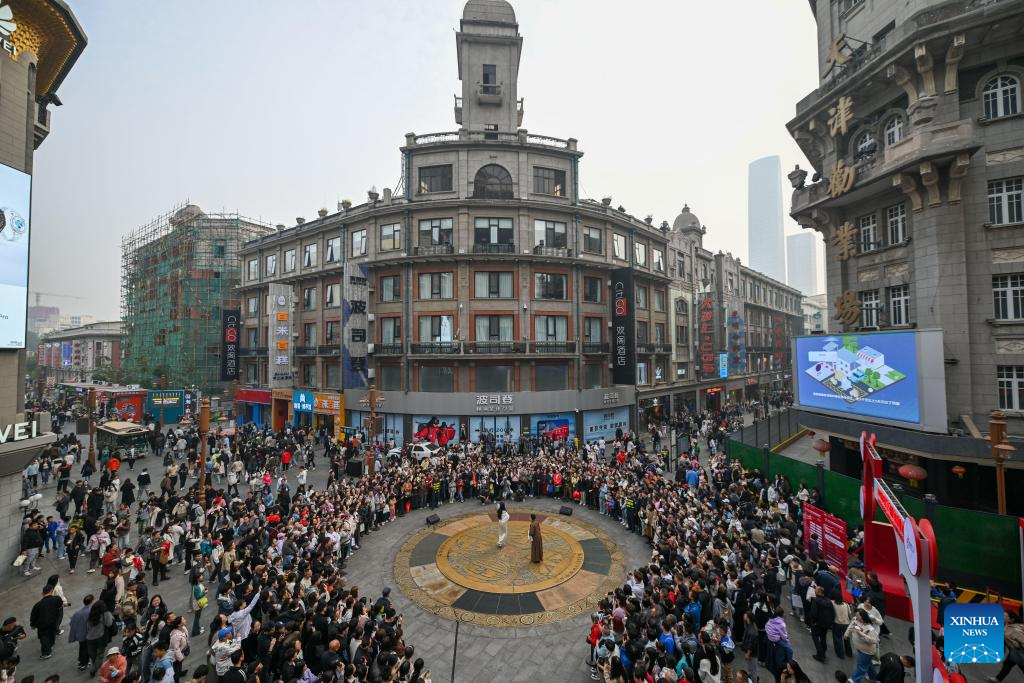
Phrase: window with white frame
[550,328]
[659,300]
[252,305]
[868,232]
[549,234]
[1011,386]
[359,242]
[658,260]
[619,246]
[893,130]
[549,286]
[592,287]
[869,308]
[896,220]
[309,256]
[1001,97]
[436,285]
[592,330]
[435,232]
[309,298]
[641,373]
[1004,200]
[493,231]
[494,328]
[289,260]
[865,145]
[641,297]
[391,237]
[332,296]
[899,305]
[493,285]
[640,254]
[436,328]
[271,265]
[390,288]
[390,330]
[333,252]
[1008,296]
[252,269]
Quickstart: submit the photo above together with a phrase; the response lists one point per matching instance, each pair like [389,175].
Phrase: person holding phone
[114,666]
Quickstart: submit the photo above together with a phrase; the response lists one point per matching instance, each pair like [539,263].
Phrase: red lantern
[810,433]
[914,473]
[959,471]
[821,446]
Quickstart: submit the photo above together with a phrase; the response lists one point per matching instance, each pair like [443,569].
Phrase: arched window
[865,146]
[893,131]
[1001,96]
[492,182]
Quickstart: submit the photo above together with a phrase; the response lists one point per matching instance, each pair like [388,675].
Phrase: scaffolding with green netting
[178,274]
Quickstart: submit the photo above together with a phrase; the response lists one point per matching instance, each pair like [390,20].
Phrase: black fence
[771,430]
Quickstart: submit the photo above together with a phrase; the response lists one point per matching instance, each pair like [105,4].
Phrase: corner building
[487,285]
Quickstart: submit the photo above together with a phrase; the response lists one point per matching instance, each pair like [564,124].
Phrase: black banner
[229,344]
[623,327]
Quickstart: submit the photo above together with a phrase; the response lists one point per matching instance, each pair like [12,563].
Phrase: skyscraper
[765,240]
[802,262]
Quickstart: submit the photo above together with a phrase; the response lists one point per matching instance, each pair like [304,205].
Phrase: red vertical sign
[830,532]
[708,359]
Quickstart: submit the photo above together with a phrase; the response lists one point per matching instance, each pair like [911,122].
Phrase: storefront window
[437,378]
[390,378]
[493,378]
[552,377]
[505,428]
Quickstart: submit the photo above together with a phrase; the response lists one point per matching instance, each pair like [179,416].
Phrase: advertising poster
[439,429]
[505,428]
[393,425]
[15,202]
[66,349]
[129,408]
[708,360]
[623,327]
[830,534]
[229,344]
[603,423]
[871,375]
[737,333]
[554,426]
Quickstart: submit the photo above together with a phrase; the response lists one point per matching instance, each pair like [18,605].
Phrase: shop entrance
[713,399]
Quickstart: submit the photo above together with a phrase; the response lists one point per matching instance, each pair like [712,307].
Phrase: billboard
[894,378]
[603,423]
[623,327]
[706,337]
[555,426]
[15,203]
[229,344]
[439,429]
[279,309]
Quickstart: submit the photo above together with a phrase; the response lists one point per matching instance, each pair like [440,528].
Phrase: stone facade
[923,101]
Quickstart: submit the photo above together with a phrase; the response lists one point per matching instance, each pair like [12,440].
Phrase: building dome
[186,213]
[686,220]
[495,11]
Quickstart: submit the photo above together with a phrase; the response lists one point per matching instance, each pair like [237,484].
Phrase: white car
[419,452]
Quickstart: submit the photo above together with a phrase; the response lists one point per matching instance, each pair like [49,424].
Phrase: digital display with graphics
[15,203]
[871,375]
[599,424]
[554,426]
[974,633]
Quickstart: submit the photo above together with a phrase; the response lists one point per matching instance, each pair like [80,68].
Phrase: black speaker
[565,510]
[433,519]
[354,468]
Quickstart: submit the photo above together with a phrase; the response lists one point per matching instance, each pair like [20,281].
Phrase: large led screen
[873,375]
[15,201]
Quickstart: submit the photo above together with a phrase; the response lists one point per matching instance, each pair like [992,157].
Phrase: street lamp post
[1001,450]
[91,407]
[204,428]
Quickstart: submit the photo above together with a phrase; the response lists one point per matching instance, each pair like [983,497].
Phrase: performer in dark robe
[536,541]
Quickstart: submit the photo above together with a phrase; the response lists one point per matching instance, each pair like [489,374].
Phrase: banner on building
[623,327]
[230,319]
[504,428]
[780,344]
[828,534]
[354,351]
[598,424]
[737,342]
[439,429]
[65,354]
[280,349]
[554,426]
[706,356]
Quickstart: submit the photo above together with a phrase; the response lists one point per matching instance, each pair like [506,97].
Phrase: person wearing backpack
[129,604]
[197,602]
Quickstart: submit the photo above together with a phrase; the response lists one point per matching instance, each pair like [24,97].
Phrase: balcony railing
[435,250]
[390,349]
[494,248]
[553,347]
[662,347]
[644,347]
[329,350]
[305,350]
[520,137]
[445,348]
[595,347]
[494,347]
[541,250]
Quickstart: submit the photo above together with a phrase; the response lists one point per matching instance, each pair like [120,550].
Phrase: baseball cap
[114,651]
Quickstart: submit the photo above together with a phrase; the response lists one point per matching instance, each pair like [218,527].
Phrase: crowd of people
[265,558]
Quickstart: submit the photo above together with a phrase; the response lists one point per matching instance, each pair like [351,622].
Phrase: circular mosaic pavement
[456,569]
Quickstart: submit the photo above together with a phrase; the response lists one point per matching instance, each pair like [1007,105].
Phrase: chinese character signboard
[707,360]
[355,298]
[737,345]
[780,343]
[302,402]
[280,336]
[828,534]
[623,328]
[229,344]
[494,403]
[723,365]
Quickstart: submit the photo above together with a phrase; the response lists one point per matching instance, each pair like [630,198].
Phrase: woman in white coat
[503,518]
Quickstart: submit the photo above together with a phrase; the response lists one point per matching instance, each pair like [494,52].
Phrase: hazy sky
[278,109]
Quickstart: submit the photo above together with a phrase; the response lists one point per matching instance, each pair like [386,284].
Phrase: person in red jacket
[595,636]
[286,460]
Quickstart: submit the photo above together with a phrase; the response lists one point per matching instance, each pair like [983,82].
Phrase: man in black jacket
[821,617]
[31,544]
[894,667]
[45,619]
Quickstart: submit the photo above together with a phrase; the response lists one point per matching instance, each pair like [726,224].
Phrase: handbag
[203,602]
[19,560]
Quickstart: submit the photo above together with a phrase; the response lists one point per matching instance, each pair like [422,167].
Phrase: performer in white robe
[503,518]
